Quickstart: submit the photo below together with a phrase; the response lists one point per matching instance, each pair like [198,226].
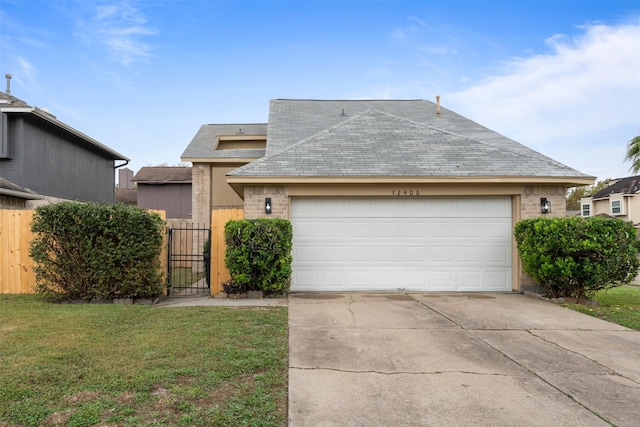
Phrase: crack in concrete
[535,374]
[577,353]
[549,383]
[353,315]
[350,371]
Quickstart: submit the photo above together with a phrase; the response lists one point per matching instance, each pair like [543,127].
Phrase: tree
[633,154]
[576,193]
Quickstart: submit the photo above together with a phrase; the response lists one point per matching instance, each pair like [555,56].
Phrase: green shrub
[575,257]
[258,254]
[91,250]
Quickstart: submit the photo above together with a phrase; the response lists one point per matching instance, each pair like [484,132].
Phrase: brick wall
[201,193]
[530,208]
[530,200]
[254,199]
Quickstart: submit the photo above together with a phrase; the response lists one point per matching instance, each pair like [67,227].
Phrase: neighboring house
[165,188]
[619,200]
[41,153]
[383,195]
[13,196]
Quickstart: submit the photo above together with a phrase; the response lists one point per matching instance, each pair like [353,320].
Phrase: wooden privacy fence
[16,267]
[219,272]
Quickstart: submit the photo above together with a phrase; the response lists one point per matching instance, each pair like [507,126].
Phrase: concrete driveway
[457,360]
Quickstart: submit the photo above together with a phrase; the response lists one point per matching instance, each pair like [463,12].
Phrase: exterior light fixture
[545,205]
[267,205]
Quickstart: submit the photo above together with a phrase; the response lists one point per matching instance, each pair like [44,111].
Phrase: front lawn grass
[83,365]
[619,305]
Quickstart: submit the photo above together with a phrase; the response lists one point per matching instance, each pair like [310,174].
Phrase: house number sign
[405,192]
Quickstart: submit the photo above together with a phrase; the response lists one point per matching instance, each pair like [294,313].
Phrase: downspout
[126,162]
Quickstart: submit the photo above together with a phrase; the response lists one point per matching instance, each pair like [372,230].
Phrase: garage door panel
[360,254]
[441,254]
[496,229]
[497,280]
[306,253]
[468,254]
[497,254]
[419,244]
[413,254]
[468,280]
[361,229]
[333,254]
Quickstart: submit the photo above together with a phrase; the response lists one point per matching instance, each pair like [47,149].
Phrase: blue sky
[141,77]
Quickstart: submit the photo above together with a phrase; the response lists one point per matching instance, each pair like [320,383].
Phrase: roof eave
[20,194]
[47,117]
[237,183]
[219,159]
[567,181]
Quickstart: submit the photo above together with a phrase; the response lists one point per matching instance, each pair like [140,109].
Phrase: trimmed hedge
[575,257]
[93,250]
[258,255]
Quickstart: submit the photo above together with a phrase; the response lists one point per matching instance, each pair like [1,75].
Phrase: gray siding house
[165,188]
[44,155]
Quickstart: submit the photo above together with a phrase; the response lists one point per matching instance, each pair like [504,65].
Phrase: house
[619,200]
[165,188]
[383,195]
[52,159]
[13,196]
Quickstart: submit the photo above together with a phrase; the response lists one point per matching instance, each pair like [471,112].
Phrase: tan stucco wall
[222,195]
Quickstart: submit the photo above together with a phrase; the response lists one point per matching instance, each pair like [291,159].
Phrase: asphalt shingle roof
[628,185]
[389,138]
[203,144]
[163,175]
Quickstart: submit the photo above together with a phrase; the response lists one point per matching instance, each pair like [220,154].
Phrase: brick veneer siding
[530,208]
[530,200]
[201,193]
[254,198]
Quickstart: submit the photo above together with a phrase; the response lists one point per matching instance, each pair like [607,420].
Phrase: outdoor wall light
[545,205]
[267,205]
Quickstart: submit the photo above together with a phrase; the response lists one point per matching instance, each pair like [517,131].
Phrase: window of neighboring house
[616,207]
[586,209]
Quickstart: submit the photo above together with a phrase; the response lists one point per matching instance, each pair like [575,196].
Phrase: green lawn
[619,305]
[83,365]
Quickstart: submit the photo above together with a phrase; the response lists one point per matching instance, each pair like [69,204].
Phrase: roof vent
[343,114]
[239,132]
[8,76]
[438,105]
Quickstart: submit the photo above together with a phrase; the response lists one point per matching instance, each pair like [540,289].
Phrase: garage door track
[457,360]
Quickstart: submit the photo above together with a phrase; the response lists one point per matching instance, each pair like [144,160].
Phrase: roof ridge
[305,140]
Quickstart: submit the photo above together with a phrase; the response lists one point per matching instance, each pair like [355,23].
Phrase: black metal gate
[188,260]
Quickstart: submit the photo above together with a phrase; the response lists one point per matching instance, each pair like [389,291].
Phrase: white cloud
[587,87]
[26,71]
[121,28]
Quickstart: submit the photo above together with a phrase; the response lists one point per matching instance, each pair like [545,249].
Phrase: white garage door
[412,244]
